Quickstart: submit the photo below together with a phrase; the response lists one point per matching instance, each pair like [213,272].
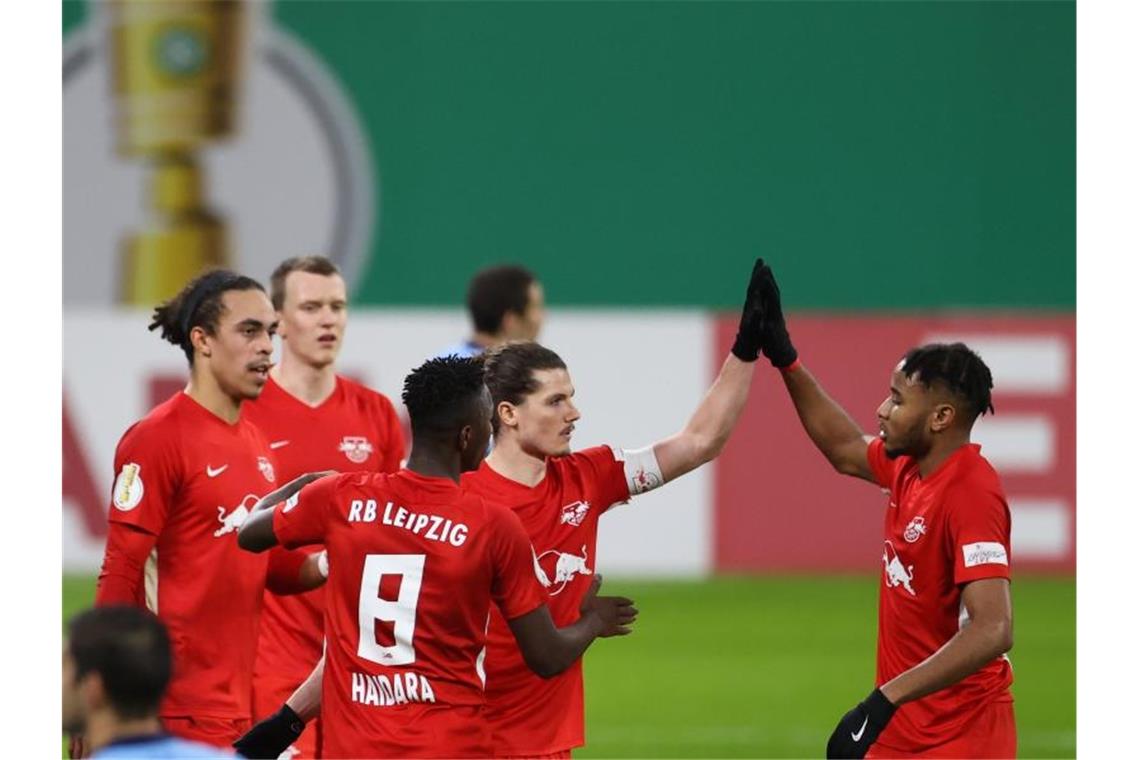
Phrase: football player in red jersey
[315,420]
[188,474]
[945,615]
[559,496]
[414,564]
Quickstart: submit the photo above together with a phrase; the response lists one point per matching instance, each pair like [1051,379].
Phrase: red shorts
[992,734]
[268,696]
[220,732]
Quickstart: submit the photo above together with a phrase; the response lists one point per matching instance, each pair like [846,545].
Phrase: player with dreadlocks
[945,616]
[188,474]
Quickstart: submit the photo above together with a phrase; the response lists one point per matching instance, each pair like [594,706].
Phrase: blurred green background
[642,153]
[764,667]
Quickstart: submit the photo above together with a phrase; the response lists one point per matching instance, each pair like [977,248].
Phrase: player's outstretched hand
[615,613]
[774,339]
[749,336]
[272,736]
[860,727]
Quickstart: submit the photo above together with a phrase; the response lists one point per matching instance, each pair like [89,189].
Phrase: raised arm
[828,425]
[548,650]
[830,428]
[708,429]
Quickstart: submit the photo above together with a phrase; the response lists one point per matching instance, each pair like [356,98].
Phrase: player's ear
[507,413]
[280,325]
[198,336]
[466,433]
[92,691]
[942,418]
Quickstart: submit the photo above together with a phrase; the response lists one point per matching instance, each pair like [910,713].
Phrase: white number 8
[401,612]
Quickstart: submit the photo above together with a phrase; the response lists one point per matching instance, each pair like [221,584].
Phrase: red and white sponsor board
[770,503]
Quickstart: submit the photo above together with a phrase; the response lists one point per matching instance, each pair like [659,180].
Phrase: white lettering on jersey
[385,691]
[984,553]
[429,527]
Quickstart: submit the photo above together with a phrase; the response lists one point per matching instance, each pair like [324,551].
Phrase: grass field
[764,666]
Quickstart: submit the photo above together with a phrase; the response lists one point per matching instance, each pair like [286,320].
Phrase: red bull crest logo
[231,521]
[356,447]
[915,530]
[574,514]
[556,569]
[896,573]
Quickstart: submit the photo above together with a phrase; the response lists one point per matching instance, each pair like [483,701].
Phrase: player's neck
[514,463]
[942,450]
[104,727]
[204,390]
[312,385]
[425,462]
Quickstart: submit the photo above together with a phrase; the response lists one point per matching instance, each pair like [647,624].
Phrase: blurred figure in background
[315,420]
[505,303]
[116,665]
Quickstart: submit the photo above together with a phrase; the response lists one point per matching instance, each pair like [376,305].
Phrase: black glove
[859,728]
[774,338]
[746,347]
[272,736]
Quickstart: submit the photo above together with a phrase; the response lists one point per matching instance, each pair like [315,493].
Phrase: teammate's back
[414,564]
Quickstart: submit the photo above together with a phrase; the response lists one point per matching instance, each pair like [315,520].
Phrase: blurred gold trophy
[175,69]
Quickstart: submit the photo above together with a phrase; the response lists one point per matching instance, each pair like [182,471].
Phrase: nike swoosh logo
[857,736]
[278,444]
[213,473]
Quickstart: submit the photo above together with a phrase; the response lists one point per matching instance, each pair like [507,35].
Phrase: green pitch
[764,666]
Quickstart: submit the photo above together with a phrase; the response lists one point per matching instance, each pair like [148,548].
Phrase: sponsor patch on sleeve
[984,553]
[128,488]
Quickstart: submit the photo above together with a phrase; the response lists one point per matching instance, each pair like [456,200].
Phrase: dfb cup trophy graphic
[200,133]
[176,78]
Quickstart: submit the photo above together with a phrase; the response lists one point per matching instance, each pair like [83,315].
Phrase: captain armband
[642,472]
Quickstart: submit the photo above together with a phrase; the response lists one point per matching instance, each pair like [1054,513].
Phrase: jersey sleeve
[304,517]
[147,477]
[978,526]
[394,451]
[605,475]
[285,569]
[515,588]
[881,467]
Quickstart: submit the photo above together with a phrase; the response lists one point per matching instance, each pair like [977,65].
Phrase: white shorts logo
[984,553]
[128,489]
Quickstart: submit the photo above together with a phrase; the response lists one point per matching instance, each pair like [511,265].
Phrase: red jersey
[414,563]
[530,715]
[940,533]
[355,428]
[190,478]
